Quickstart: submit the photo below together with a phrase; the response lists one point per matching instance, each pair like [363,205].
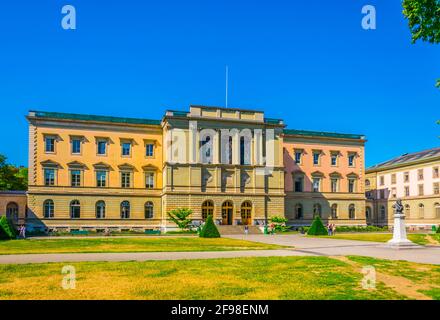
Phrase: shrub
[279,224]
[209,229]
[317,228]
[438,229]
[7,231]
[180,218]
[360,229]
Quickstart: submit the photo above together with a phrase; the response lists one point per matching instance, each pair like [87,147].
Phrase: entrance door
[246,213]
[227,209]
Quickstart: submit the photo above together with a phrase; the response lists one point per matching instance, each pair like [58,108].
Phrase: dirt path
[431,241]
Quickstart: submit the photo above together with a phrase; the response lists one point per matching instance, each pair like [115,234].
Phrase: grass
[377,237]
[240,278]
[144,244]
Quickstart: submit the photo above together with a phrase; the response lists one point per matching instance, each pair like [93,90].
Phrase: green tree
[209,229]
[317,228]
[423,21]
[11,177]
[180,218]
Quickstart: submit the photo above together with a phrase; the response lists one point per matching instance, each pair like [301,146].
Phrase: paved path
[304,246]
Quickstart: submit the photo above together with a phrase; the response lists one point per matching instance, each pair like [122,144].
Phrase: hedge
[317,228]
[209,229]
[7,231]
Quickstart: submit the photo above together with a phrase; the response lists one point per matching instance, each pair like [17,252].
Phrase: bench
[79,232]
[152,232]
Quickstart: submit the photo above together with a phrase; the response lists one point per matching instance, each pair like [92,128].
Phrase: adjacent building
[412,177]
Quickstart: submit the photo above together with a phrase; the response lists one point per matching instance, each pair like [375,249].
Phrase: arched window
[437,210]
[207,209]
[382,212]
[351,211]
[334,211]
[100,209]
[12,212]
[246,212]
[75,209]
[407,210]
[125,210]
[317,210]
[149,210]
[48,209]
[227,212]
[421,211]
[368,213]
[299,211]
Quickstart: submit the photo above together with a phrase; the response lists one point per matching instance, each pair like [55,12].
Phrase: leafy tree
[317,228]
[11,177]
[423,21]
[279,223]
[180,218]
[209,229]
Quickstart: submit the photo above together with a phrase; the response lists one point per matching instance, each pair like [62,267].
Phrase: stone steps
[228,230]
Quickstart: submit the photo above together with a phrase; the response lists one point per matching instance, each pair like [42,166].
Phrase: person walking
[333,229]
[329,229]
[246,230]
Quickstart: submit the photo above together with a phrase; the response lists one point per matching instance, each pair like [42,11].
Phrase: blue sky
[308,62]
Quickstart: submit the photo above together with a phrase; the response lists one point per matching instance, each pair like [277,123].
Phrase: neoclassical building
[412,177]
[96,172]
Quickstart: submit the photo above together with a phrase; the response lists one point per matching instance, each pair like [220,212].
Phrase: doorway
[227,210]
[246,213]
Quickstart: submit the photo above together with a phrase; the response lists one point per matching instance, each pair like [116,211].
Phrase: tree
[11,177]
[180,218]
[317,228]
[209,229]
[279,223]
[423,21]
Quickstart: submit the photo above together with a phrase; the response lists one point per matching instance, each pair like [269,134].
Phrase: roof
[408,158]
[89,117]
[323,134]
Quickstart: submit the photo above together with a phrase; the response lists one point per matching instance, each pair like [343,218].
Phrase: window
[421,211]
[125,210]
[407,210]
[436,188]
[48,209]
[149,210]
[12,212]
[49,177]
[382,194]
[299,183]
[351,185]
[100,210]
[149,150]
[334,184]
[393,192]
[102,147]
[246,213]
[368,213]
[317,210]
[316,158]
[207,209]
[435,172]
[75,209]
[382,212]
[420,174]
[367,183]
[126,149]
[382,180]
[101,179]
[437,210]
[76,146]
[421,190]
[245,158]
[406,177]
[298,156]
[149,180]
[406,191]
[49,144]
[316,184]
[299,211]
[393,178]
[335,211]
[351,158]
[351,211]
[334,159]
[75,178]
[125,179]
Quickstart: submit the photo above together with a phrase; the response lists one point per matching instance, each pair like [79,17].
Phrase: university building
[412,177]
[97,172]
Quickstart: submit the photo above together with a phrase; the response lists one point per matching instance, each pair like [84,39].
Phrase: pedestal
[399,240]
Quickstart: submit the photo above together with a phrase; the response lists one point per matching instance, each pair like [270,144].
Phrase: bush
[180,218]
[438,229]
[360,229]
[7,231]
[209,229]
[278,223]
[317,228]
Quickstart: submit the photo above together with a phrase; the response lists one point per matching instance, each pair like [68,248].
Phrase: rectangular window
[382,180]
[76,146]
[101,179]
[75,178]
[351,185]
[406,191]
[125,179]
[334,159]
[149,180]
[49,144]
[351,158]
[149,150]
[316,156]
[299,183]
[420,174]
[316,184]
[382,194]
[393,178]
[393,192]
[421,190]
[435,172]
[102,147]
[334,185]
[406,177]
[298,156]
[126,149]
[436,188]
[49,177]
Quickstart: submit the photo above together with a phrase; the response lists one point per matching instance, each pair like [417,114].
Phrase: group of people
[331,228]
[22,232]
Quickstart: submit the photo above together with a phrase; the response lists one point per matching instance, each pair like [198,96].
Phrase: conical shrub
[317,228]
[209,229]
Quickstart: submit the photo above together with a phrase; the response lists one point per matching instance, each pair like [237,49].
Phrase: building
[96,172]
[14,205]
[324,176]
[412,177]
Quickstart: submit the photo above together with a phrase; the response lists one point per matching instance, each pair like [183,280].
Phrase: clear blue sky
[308,62]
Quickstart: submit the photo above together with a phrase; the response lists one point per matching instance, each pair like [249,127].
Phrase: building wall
[10,198]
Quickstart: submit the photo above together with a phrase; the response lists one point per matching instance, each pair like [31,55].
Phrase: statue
[398,207]
[399,239]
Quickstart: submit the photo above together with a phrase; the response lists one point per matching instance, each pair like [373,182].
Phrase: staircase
[228,230]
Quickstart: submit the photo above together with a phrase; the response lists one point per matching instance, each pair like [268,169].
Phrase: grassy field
[378,237]
[240,278]
[157,244]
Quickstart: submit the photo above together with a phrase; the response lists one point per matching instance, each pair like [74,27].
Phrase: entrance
[227,210]
[246,213]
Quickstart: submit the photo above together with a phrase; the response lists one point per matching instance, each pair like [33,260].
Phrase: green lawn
[377,237]
[146,244]
[239,278]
